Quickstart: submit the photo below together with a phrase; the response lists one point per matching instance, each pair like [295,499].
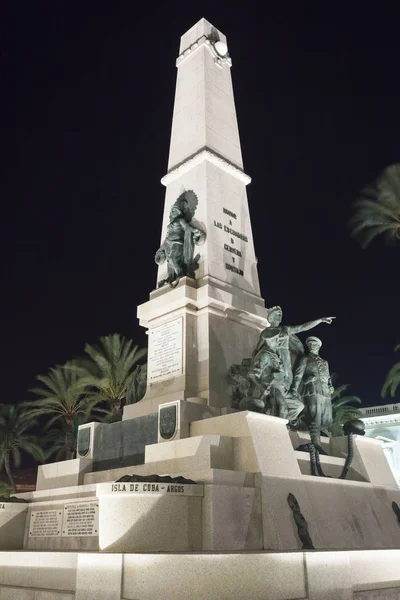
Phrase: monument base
[242,531]
[359,575]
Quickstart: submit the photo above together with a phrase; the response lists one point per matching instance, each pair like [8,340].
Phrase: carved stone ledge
[203,41]
[378,420]
[200,157]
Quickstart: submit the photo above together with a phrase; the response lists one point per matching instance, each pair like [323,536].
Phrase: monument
[204,489]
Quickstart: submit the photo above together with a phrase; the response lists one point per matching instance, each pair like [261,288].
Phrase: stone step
[213,575]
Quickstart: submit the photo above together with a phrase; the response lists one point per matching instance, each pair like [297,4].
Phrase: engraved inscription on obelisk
[165,351]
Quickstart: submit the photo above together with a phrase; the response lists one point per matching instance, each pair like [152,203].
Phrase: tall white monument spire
[205,156]
[203,325]
[204,111]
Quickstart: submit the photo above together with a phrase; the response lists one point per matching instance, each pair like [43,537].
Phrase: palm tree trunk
[114,405]
[68,442]
[8,471]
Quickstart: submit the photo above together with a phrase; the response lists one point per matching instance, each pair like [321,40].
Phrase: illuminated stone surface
[233,535]
[221,310]
[362,575]
[12,525]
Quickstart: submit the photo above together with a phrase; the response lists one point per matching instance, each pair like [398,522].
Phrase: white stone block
[231,518]
[340,514]
[209,576]
[99,577]
[13,593]
[19,569]
[244,456]
[149,523]
[369,459]
[12,525]
[328,576]
[56,570]
[221,477]
[375,569]
[374,518]
[381,594]
[46,570]
[207,451]
[62,474]
[63,493]
[44,595]
[270,438]
[279,526]
[229,425]
[340,524]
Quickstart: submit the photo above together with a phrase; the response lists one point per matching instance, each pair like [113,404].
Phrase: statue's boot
[315,438]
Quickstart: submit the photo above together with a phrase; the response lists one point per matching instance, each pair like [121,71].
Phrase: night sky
[87,94]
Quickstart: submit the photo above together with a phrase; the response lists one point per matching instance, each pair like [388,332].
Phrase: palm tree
[55,439]
[342,411]
[108,371]
[392,378]
[377,210]
[63,397]
[14,437]
[4,490]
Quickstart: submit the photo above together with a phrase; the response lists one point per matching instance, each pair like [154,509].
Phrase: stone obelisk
[203,325]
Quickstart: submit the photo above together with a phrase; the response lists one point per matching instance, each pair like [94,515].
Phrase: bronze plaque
[168,421]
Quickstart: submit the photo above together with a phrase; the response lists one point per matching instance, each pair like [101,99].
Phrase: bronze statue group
[280,379]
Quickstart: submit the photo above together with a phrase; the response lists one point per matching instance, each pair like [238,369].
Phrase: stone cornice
[381,420]
[198,158]
[203,41]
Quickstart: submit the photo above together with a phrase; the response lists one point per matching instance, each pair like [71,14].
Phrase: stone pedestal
[219,326]
[198,329]
[148,517]
[12,525]
[236,516]
[64,473]
[248,466]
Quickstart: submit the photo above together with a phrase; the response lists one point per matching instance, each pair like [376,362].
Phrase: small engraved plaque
[81,520]
[45,523]
[165,351]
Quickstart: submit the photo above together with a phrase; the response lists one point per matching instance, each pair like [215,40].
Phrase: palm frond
[345,400]
[377,210]
[338,391]
[15,422]
[342,410]
[110,369]
[392,380]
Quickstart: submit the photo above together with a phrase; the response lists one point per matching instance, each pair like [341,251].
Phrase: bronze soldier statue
[312,382]
[271,367]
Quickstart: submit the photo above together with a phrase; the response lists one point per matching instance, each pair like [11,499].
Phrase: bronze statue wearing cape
[263,382]
[178,246]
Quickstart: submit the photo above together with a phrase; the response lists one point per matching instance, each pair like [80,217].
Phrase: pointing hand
[328,320]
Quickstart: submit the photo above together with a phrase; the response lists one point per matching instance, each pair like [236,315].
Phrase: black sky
[86,106]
